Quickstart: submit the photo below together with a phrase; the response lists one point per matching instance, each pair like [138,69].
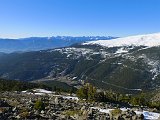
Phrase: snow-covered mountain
[148,40]
[125,64]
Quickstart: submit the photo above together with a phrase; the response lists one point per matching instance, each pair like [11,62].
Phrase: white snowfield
[42,91]
[148,40]
[38,92]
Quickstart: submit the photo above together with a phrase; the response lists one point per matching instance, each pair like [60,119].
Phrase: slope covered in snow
[148,40]
[147,115]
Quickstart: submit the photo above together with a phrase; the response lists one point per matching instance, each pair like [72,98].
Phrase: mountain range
[41,43]
[127,65]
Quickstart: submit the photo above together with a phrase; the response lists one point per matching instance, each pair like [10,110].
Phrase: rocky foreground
[24,105]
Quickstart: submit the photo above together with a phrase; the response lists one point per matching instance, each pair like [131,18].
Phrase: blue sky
[26,18]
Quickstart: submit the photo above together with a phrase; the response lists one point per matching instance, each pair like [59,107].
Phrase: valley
[124,75]
[79,60]
[122,68]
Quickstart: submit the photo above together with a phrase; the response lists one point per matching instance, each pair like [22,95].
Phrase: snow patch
[42,91]
[153,64]
[121,50]
[147,115]
[71,98]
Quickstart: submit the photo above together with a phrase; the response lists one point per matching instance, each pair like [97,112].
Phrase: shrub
[39,105]
[116,112]
[87,92]
[24,114]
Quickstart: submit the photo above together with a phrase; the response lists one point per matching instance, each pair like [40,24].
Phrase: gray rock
[56,100]
[42,112]
[83,108]
[18,117]
[140,116]
[14,109]
[90,112]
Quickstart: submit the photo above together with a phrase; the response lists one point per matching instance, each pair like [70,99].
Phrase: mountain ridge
[123,68]
[42,43]
[149,40]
